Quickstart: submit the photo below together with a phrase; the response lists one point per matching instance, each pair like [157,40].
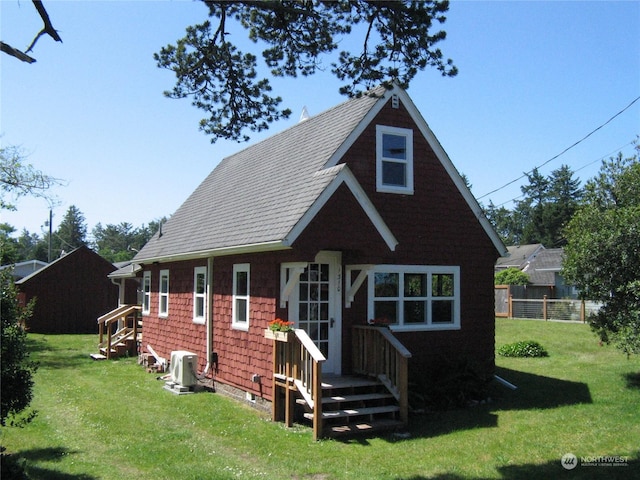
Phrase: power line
[577,170]
[562,152]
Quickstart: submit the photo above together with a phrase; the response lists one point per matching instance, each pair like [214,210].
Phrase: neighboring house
[518,256]
[71,293]
[354,214]
[22,269]
[543,266]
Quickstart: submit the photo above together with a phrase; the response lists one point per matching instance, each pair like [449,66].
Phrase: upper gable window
[394,159]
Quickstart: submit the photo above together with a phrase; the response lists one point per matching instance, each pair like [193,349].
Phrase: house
[352,215]
[519,256]
[22,269]
[543,267]
[70,293]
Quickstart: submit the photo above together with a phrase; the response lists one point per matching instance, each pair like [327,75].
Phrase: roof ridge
[368,94]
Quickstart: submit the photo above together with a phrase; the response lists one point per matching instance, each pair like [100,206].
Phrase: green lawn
[112,420]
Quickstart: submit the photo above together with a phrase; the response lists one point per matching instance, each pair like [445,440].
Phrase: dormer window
[394,160]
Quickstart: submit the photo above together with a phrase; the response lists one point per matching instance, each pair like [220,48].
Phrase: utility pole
[50,233]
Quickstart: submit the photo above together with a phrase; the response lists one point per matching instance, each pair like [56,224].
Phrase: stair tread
[365,427]
[354,412]
[356,398]
[330,383]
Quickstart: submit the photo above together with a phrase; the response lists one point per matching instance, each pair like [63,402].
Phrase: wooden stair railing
[297,367]
[105,322]
[378,353]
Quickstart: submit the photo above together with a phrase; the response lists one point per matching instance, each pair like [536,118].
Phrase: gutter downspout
[121,290]
[209,319]
[209,323]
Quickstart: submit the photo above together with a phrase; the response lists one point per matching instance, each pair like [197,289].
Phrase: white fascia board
[344,176]
[216,252]
[356,132]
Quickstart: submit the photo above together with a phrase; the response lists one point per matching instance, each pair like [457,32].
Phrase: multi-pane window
[146,293]
[240,309]
[163,309]
[413,297]
[394,159]
[199,294]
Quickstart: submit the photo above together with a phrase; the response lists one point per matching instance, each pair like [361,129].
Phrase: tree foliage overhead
[603,252]
[396,42]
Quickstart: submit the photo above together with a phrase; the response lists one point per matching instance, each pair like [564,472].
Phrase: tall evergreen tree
[71,233]
[548,206]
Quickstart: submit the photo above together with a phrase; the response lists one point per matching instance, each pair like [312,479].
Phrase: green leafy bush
[527,348]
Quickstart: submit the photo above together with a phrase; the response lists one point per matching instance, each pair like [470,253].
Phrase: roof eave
[216,252]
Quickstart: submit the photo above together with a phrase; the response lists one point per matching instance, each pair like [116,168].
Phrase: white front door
[316,307]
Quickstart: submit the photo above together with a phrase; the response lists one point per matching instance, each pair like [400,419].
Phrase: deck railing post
[403,386]
[317,400]
[274,363]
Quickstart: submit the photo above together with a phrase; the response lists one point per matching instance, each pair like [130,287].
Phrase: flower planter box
[278,336]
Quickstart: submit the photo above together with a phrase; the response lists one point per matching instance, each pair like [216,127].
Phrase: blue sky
[535,77]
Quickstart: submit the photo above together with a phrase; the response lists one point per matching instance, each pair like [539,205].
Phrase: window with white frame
[163,308]
[415,297]
[240,308]
[199,294]
[146,293]
[394,159]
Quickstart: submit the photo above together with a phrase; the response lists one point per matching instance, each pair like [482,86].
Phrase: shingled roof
[257,196]
[262,197]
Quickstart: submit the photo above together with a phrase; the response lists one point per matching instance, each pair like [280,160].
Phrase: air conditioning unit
[183,368]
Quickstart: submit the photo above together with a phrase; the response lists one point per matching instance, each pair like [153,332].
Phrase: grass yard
[112,420]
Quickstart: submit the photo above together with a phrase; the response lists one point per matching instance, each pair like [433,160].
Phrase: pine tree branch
[9,50]
[48,26]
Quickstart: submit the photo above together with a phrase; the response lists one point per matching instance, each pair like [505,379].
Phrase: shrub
[511,276]
[527,348]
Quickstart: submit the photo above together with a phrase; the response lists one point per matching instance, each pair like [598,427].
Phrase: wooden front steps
[356,405]
[120,349]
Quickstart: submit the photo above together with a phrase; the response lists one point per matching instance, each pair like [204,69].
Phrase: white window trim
[405,132]
[426,269]
[146,293]
[162,294]
[237,268]
[200,319]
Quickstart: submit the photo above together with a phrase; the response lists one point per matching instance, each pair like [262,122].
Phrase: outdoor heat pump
[183,368]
